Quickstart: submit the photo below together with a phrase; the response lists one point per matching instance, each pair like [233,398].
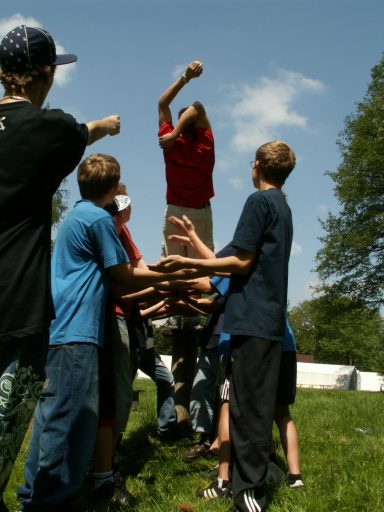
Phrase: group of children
[93,260]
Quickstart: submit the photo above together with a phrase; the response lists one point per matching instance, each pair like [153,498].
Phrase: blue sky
[273,69]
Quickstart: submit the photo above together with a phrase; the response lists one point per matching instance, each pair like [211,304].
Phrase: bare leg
[289,438]
[104,450]
[224,442]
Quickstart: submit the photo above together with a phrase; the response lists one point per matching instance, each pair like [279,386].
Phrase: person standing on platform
[189,157]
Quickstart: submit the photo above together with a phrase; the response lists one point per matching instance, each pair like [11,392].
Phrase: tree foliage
[340,331]
[351,261]
[59,205]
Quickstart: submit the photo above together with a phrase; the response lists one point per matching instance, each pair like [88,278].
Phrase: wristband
[184,78]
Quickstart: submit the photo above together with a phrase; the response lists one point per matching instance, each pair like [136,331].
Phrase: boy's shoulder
[86,213]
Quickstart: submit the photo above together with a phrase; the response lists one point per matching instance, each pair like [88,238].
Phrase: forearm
[170,94]
[128,277]
[99,128]
[188,117]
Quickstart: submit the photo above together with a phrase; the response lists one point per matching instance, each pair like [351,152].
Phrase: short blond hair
[276,160]
[97,175]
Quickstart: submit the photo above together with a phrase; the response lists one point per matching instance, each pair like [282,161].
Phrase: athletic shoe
[113,491]
[213,491]
[294,481]
[3,506]
[199,450]
[121,496]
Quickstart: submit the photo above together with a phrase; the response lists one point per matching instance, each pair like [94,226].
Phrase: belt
[206,205]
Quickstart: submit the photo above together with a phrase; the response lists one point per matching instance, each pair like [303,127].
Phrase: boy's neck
[264,185]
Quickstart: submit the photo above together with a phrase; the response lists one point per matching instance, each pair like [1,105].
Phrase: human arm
[190,237]
[195,114]
[192,71]
[99,128]
[128,277]
[240,263]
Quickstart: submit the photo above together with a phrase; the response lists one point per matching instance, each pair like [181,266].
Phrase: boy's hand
[194,70]
[112,124]
[167,141]
[183,224]
[169,264]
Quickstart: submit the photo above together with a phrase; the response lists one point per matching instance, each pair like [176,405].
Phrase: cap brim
[67,58]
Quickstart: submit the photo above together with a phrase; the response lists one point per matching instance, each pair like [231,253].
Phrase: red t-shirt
[188,168]
[133,255]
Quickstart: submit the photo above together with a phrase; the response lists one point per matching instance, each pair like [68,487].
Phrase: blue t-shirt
[289,342]
[257,302]
[86,246]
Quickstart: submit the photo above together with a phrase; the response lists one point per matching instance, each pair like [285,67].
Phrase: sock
[100,478]
[222,484]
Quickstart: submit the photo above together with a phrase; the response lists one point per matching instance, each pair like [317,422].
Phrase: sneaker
[3,506]
[199,450]
[104,492]
[121,496]
[113,491]
[213,491]
[294,481]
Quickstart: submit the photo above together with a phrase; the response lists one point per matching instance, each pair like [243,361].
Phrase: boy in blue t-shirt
[255,317]
[86,257]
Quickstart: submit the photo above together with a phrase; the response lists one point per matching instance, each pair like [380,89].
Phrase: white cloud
[296,249]
[259,110]
[237,183]
[7,24]
[63,73]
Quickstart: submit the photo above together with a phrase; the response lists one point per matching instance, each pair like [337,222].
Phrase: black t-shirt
[38,148]
[256,305]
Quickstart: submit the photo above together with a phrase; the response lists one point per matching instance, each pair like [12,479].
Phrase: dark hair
[97,175]
[276,160]
[189,130]
[14,83]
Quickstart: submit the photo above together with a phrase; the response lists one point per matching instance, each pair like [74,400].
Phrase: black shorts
[286,388]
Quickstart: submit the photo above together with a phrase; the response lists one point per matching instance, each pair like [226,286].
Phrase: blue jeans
[64,430]
[150,363]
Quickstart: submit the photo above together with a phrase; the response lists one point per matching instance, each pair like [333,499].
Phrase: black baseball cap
[26,48]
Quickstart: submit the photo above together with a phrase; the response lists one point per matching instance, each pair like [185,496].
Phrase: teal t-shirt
[86,246]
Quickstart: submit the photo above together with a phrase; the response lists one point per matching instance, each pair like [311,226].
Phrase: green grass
[342,458]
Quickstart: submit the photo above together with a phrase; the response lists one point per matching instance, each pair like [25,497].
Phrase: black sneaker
[104,492]
[121,496]
[3,506]
[113,491]
[213,492]
[294,481]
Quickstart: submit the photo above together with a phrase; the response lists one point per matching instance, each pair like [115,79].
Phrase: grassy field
[342,458]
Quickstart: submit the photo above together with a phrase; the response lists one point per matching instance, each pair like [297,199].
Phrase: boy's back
[86,245]
[257,301]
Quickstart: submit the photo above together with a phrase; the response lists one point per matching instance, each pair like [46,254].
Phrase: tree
[351,261]
[59,205]
[340,331]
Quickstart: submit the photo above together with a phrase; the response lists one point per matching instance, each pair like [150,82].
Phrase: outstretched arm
[192,71]
[101,127]
[238,264]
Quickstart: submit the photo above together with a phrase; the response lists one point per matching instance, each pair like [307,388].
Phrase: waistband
[206,205]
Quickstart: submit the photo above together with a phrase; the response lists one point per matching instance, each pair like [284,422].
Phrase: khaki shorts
[202,220]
